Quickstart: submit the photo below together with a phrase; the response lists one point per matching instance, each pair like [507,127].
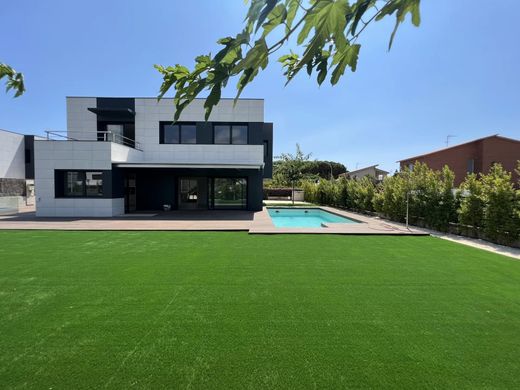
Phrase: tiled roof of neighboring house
[458,145]
[362,169]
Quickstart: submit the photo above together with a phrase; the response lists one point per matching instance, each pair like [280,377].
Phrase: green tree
[324,169]
[14,79]
[290,167]
[325,32]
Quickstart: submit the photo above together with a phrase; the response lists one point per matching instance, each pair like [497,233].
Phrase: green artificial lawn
[231,310]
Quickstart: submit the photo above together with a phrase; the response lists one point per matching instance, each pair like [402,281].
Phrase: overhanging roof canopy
[189,165]
[120,112]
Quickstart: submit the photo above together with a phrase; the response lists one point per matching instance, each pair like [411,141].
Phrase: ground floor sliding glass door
[228,193]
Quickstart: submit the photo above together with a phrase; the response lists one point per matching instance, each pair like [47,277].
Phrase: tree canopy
[325,32]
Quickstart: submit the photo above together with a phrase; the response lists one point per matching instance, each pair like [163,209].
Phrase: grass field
[231,310]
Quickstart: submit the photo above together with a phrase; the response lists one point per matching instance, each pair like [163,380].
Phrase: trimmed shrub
[471,210]
[501,214]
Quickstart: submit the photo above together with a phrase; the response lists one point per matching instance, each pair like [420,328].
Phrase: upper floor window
[178,133]
[471,166]
[230,134]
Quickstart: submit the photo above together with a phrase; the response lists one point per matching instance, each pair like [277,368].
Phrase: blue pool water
[304,217]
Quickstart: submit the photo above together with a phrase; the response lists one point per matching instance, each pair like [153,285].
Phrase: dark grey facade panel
[115,109]
[204,132]
[115,103]
[29,156]
[267,141]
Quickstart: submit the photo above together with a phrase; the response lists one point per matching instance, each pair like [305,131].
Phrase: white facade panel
[52,155]
[81,123]
[12,155]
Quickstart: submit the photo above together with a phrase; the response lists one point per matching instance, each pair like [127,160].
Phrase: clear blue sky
[458,74]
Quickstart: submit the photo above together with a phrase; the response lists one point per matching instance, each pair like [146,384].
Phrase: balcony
[102,136]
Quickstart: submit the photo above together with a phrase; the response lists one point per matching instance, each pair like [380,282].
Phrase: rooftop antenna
[448,139]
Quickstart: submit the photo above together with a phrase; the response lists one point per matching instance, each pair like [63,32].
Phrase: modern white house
[121,155]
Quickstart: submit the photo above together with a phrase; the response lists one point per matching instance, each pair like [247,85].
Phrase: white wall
[12,155]
[204,154]
[51,155]
[81,123]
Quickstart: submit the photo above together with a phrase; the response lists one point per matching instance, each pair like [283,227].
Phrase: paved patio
[173,220]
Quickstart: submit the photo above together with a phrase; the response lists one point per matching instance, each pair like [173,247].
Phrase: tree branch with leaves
[14,79]
[326,31]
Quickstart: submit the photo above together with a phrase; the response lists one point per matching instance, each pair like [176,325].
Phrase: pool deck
[263,224]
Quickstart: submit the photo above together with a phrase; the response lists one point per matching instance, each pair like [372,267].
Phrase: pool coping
[263,224]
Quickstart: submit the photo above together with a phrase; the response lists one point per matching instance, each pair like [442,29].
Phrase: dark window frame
[82,175]
[230,126]
[179,124]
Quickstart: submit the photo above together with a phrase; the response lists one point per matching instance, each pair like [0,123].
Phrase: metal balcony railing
[102,136]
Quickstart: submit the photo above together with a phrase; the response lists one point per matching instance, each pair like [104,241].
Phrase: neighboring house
[472,157]
[372,171]
[124,154]
[16,169]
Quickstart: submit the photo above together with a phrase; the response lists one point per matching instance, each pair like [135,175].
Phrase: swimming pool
[304,217]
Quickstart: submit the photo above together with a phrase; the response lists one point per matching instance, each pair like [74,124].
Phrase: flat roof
[150,97]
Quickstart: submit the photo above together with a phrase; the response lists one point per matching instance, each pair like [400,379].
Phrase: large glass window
[82,184]
[94,184]
[222,134]
[188,134]
[179,133]
[229,193]
[239,135]
[171,134]
[230,134]
[73,183]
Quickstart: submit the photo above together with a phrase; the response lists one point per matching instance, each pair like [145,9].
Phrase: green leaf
[358,11]
[268,7]
[275,18]
[401,8]
[349,58]
[212,100]
[292,9]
